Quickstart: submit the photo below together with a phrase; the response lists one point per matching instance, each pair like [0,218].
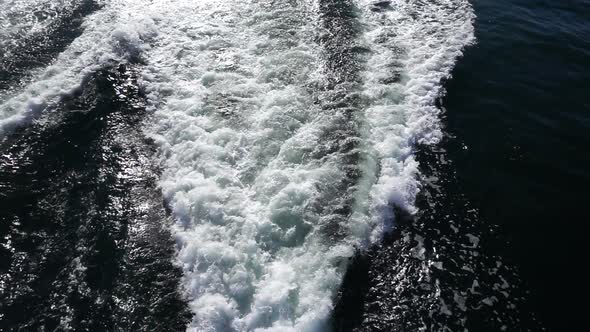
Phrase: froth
[237,124]
[237,90]
[414,47]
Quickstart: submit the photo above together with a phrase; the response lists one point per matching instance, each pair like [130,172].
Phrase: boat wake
[286,134]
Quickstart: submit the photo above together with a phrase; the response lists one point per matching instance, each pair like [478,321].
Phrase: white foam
[236,122]
[414,44]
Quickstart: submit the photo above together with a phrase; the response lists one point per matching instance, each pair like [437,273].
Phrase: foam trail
[414,46]
[244,105]
[241,134]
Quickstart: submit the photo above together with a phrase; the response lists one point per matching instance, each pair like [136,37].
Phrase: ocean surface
[293,165]
[518,112]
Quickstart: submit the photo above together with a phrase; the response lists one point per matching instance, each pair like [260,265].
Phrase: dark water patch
[84,244]
[343,57]
[339,40]
[442,269]
[348,312]
[522,122]
[379,6]
[39,49]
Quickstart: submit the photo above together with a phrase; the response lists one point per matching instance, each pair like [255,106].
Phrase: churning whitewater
[285,133]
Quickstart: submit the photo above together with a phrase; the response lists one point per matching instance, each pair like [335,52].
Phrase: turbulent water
[239,165]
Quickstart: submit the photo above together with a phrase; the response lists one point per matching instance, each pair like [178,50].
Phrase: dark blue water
[518,108]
